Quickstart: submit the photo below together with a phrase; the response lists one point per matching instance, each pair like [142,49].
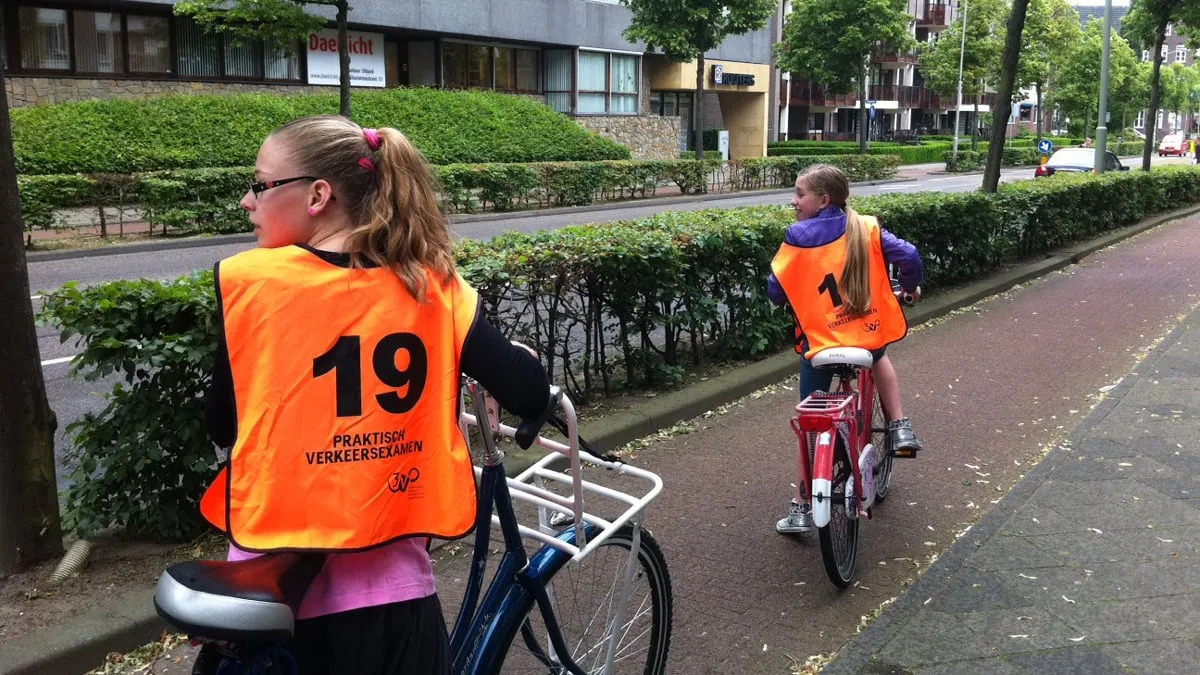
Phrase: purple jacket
[830,224]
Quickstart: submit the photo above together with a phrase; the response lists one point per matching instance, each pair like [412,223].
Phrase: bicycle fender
[822,480]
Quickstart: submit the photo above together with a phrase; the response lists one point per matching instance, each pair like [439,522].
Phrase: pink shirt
[396,572]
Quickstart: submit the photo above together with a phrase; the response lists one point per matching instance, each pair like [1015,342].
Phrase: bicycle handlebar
[528,430]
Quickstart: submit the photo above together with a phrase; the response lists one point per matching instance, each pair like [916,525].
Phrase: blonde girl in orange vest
[343,338]
[832,271]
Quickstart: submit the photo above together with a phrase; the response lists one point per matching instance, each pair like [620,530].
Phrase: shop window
[198,51]
[608,83]
[149,44]
[43,35]
[98,47]
[559,66]
[593,82]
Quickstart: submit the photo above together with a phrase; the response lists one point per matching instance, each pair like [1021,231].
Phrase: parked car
[1077,160]
[1173,144]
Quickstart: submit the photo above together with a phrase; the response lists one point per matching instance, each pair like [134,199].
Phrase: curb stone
[465,219]
[130,621]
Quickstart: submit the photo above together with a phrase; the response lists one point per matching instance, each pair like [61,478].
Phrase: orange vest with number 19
[346,391]
[809,277]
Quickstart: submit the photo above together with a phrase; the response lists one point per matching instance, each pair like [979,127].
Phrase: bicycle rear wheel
[585,596]
[839,539]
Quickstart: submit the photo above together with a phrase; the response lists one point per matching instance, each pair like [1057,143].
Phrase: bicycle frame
[826,414]
[484,630]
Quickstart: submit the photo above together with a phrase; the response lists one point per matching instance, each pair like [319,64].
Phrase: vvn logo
[400,483]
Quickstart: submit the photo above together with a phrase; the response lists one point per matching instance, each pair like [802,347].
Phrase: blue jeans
[813,379]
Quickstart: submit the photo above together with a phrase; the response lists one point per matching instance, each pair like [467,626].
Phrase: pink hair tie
[367,164]
[372,137]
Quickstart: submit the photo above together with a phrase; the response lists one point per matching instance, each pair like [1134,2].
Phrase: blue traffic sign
[1045,146]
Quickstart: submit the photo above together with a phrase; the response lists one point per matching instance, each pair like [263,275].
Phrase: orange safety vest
[809,277]
[346,391]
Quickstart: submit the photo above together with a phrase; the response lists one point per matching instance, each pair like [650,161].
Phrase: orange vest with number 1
[347,392]
[809,277]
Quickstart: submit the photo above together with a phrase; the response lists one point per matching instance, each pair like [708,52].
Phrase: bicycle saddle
[835,357]
[253,600]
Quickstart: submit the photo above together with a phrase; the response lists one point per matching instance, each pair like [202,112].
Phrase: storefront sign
[720,77]
[367,63]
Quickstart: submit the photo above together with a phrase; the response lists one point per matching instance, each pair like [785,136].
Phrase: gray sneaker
[798,521]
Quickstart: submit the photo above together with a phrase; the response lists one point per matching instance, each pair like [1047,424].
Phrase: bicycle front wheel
[586,596]
[839,538]
[883,453]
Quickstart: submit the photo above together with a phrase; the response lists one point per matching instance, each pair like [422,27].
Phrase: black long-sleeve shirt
[509,373]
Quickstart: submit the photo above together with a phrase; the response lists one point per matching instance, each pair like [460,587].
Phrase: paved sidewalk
[1090,565]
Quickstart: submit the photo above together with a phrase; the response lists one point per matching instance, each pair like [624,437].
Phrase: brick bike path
[1092,564]
[988,389]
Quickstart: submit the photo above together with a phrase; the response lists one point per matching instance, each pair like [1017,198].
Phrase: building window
[479,67]
[1168,33]
[527,70]
[149,44]
[98,46]
[43,35]
[243,58]
[505,73]
[280,63]
[199,52]
[608,83]
[1146,54]
[593,82]
[1181,54]
[560,64]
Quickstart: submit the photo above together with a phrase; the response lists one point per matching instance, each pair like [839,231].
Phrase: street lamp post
[961,53]
[1102,127]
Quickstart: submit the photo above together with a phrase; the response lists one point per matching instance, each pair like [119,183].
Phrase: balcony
[806,93]
[907,97]
[890,57]
[935,16]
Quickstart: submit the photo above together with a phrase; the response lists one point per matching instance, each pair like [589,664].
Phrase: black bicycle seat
[253,600]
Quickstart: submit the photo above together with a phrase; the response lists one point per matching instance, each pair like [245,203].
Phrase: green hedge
[206,200]
[969,160]
[189,131]
[909,154]
[634,304]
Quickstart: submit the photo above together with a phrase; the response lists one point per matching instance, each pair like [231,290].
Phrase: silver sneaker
[798,521]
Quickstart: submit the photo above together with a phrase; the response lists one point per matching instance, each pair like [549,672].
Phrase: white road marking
[52,362]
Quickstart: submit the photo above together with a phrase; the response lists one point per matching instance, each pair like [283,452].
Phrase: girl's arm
[775,291]
[905,257]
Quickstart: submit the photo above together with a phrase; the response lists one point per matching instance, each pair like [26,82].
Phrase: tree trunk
[1038,91]
[29,525]
[697,108]
[343,9]
[1008,76]
[1155,96]
[863,120]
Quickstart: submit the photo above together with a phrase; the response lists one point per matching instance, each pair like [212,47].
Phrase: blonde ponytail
[389,192]
[856,274]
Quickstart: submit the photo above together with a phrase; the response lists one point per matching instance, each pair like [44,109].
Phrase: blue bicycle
[599,585]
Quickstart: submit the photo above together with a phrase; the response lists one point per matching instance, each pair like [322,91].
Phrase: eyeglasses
[263,186]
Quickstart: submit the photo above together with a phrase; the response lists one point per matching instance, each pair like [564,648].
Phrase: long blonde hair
[855,284]
[389,191]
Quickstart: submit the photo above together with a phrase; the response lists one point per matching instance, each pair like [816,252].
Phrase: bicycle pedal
[908,453]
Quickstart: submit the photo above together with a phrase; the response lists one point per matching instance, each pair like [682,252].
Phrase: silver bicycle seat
[836,357]
[252,600]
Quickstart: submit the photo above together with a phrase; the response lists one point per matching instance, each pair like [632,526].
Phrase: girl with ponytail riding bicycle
[832,271]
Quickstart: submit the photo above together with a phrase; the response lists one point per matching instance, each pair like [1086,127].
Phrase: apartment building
[897,93]
[567,54]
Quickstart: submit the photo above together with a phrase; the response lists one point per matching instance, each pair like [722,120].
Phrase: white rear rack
[531,487]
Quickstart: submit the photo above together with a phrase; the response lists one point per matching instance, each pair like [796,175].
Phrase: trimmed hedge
[206,200]
[969,160]
[609,307]
[189,131]
[909,154]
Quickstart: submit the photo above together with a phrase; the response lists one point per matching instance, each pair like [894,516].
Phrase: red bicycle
[845,463]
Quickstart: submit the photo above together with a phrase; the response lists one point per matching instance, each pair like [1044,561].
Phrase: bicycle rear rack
[531,487]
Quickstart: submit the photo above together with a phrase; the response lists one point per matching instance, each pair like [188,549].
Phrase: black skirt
[403,638]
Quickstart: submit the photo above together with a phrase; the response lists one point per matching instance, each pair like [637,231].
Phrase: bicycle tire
[883,453]
[652,568]
[839,538]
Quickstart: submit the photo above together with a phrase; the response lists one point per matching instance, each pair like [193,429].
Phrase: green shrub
[190,131]
[965,160]
[588,298]
[909,154]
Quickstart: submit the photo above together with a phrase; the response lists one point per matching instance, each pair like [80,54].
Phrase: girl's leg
[888,386]
[798,520]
